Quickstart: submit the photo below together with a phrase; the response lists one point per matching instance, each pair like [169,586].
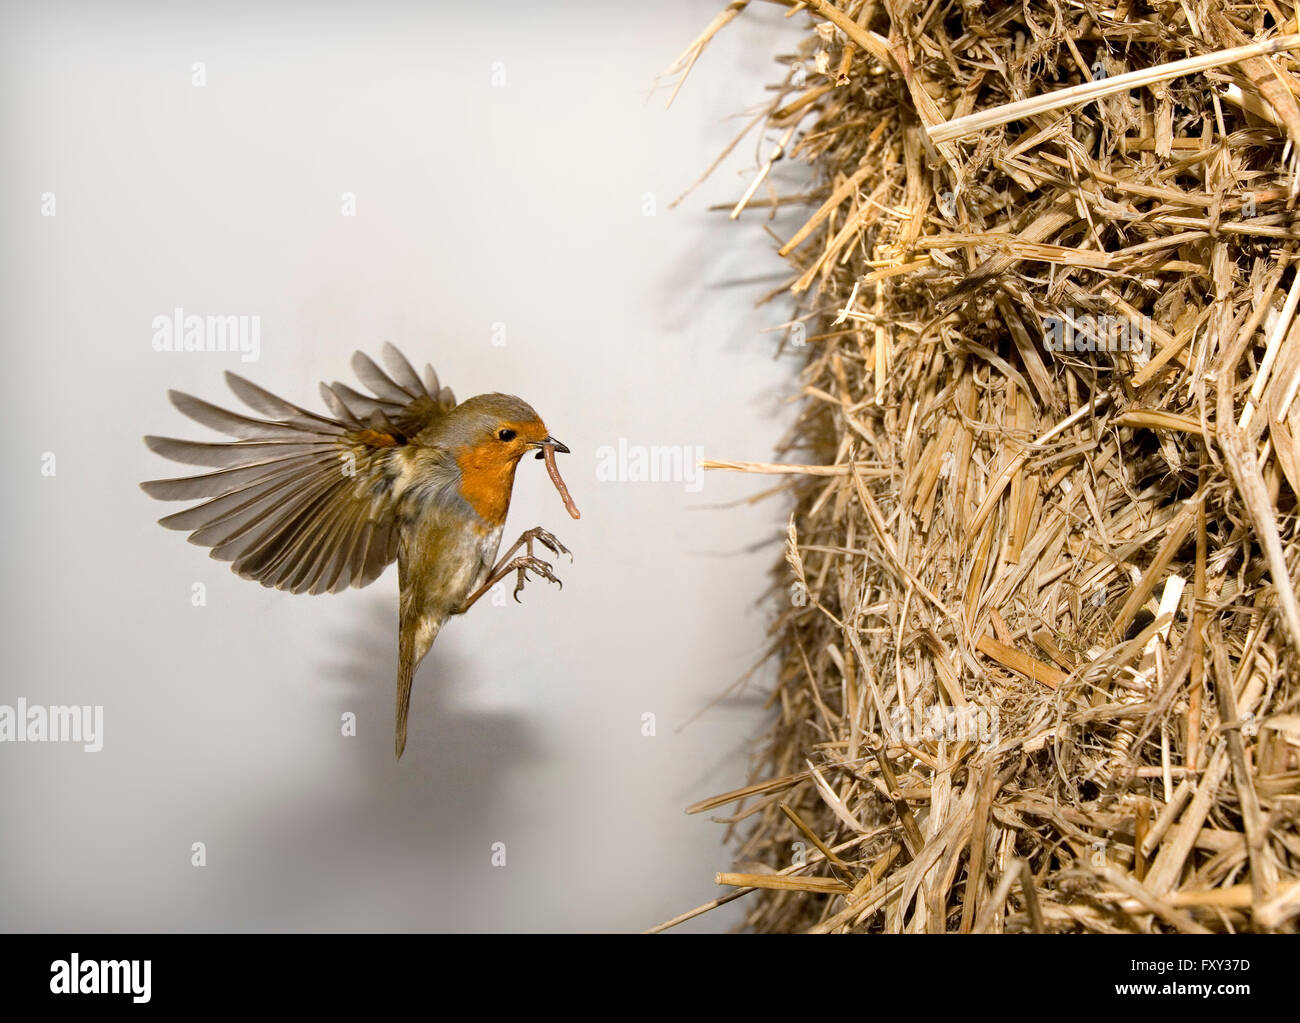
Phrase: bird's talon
[551,542]
[534,564]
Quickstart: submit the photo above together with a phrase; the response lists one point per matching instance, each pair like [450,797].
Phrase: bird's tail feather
[405,674]
[414,641]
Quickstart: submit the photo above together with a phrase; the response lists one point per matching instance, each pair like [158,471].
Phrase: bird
[313,503]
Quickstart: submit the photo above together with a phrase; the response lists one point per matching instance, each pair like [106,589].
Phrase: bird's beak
[550,442]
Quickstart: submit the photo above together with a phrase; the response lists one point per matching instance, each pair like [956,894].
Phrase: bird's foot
[523,564]
[544,537]
[528,563]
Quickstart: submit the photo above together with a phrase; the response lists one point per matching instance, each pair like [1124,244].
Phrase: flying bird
[315,504]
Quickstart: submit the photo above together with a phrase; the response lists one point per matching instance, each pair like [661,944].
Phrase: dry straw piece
[1038,636]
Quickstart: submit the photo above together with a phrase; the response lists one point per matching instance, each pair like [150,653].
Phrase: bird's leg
[537,533]
[527,562]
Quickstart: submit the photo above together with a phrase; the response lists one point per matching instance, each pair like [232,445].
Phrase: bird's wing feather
[300,501]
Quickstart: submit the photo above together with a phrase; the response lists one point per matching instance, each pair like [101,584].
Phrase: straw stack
[1037,628]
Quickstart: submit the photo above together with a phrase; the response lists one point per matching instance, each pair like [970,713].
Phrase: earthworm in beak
[549,447]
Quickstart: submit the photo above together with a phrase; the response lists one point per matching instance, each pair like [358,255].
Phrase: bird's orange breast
[486,480]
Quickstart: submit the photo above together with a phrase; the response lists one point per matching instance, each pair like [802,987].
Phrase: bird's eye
[506,435]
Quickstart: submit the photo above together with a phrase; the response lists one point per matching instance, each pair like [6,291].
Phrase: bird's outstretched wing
[302,502]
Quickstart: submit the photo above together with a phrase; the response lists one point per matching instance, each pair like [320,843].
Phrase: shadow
[394,845]
[447,746]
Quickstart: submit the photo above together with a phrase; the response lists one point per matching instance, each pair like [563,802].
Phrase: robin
[314,504]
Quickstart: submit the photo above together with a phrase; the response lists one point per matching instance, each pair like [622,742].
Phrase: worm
[553,471]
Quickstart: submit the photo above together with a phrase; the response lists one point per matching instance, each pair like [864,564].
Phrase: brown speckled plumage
[312,504]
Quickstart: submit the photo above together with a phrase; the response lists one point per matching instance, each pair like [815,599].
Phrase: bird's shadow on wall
[337,860]
[452,752]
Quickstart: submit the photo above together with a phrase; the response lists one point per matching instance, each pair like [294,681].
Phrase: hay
[1038,638]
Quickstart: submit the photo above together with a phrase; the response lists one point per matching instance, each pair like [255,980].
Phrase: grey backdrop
[522,204]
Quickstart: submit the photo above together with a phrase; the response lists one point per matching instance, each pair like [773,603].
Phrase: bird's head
[488,434]
[496,430]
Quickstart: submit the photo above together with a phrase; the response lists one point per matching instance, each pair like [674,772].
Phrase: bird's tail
[415,637]
[405,675]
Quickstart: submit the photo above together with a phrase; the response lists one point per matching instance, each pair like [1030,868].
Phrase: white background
[476,204]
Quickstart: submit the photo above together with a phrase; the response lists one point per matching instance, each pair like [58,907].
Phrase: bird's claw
[532,564]
[548,540]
